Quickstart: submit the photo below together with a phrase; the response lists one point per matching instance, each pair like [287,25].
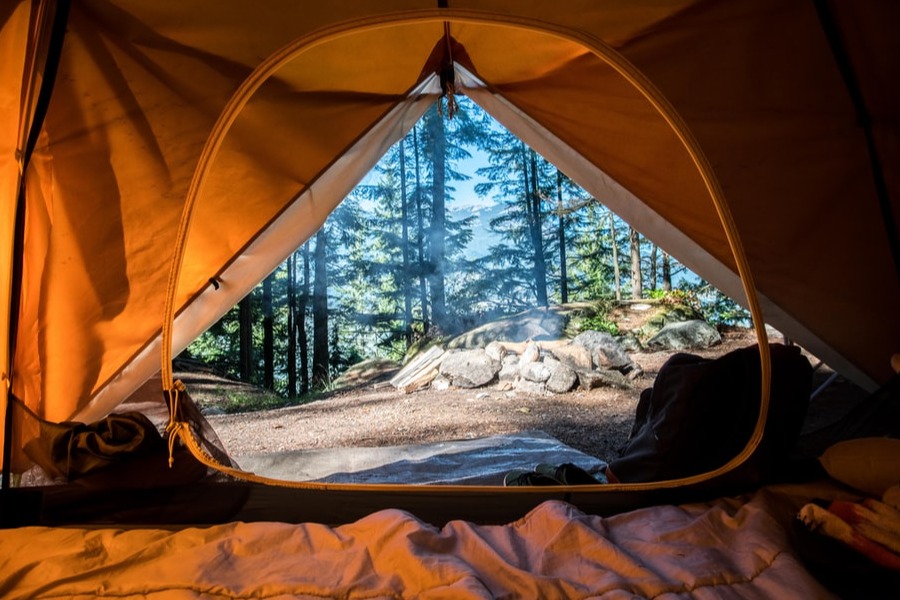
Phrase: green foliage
[600,323]
[716,307]
[594,316]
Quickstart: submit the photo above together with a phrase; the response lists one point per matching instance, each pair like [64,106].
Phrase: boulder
[537,372]
[574,355]
[469,368]
[535,324]
[509,369]
[562,378]
[530,387]
[605,350]
[532,353]
[630,342]
[685,335]
[496,351]
[665,314]
[588,380]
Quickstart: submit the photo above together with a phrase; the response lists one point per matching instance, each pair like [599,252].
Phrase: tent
[158,159]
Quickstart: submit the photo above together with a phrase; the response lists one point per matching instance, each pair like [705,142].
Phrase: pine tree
[637,286]
[321,354]
[246,337]
[519,178]
[268,334]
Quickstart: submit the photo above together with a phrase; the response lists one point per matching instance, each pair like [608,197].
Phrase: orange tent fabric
[640,103]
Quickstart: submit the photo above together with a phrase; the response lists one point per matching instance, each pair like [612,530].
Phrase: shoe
[527,478]
[567,474]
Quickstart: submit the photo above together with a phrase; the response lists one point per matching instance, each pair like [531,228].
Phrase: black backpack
[700,413]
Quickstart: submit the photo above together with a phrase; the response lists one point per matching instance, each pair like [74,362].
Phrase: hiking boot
[567,474]
[527,478]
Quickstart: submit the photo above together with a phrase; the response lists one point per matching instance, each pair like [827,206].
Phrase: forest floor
[373,413]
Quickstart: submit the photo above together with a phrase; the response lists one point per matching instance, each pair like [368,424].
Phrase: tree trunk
[666,272]
[268,335]
[617,275]
[438,229]
[561,231]
[245,319]
[637,284]
[420,238]
[291,318]
[302,338]
[320,314]
[404,230]
[533,202]
[652,274]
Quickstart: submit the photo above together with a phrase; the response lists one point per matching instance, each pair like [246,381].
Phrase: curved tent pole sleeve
[53,53]
[243,94]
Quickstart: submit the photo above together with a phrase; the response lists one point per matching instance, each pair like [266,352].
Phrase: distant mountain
[482,236]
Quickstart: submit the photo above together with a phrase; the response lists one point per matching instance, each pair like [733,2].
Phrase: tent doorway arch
[572,44]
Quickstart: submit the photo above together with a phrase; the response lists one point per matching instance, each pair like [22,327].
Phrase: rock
[588,380]
[469,368]
[505,385]
[535,324]
[532,353]
[666,314]
[440,383]
[685,335]
[530,387]
[605,350]
[574,355]
[496,351]
[509,371]
[630,342]
[534,371]
[562,379]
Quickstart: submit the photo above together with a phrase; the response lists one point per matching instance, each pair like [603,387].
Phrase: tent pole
[54,51]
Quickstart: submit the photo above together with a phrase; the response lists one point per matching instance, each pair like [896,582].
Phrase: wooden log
[420,370]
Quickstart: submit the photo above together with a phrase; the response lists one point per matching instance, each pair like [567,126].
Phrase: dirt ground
[596,422]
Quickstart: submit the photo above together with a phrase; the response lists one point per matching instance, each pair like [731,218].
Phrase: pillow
[870,465]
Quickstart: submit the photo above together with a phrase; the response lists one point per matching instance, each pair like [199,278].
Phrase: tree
[246,337]
[420,234]
[437,231]
[666,272]
[517,178]
[320,363]
[535,217]
[561,233]
[637,285]
[407,270]
[268,335]
[302,338]
[615,256]
[291,302]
